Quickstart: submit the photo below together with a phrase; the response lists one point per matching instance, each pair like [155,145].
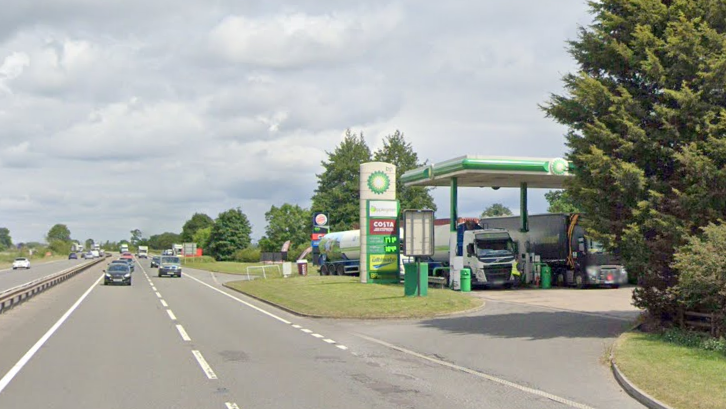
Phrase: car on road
[131,263]
[170,266]
[155,261]
[73,256]
[21,262]
[117,273]
[88,255]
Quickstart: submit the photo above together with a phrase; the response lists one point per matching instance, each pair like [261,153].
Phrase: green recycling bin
[546,277]
[465,280]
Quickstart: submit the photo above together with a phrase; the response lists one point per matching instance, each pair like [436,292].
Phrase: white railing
[276,266]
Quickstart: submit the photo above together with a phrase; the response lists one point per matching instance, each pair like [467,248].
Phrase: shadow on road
[534,325]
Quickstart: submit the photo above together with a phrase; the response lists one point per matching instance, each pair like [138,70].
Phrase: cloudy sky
[123,114]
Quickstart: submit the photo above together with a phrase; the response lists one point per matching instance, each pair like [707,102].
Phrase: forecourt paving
[10,278]
[190,343]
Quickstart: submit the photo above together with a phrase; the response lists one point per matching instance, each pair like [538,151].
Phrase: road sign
[418,233]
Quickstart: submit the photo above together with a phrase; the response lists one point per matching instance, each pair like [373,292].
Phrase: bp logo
[378,182]
[558,166]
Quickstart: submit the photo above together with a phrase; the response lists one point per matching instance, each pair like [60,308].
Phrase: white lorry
[143,252]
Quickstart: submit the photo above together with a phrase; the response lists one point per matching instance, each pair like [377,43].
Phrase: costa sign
[382,226]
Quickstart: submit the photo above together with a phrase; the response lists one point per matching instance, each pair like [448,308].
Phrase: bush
[694,340]
[702,267]
[248,255]
[295,252]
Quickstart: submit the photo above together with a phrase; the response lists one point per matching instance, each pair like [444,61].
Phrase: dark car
[73,256]
[117,273]
[130,262]
[170,266]
[126,262]
[155,261]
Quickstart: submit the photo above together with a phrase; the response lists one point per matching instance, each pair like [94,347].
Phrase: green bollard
[465,280]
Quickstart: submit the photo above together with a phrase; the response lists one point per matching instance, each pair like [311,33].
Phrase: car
[168,252]
[21,262]
[117,273]
[130,261]
[155,261]
[171,266]
[73,256]
[88,255]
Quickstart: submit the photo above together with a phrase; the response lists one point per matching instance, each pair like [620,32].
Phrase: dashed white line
[231,405]
[158,295]
[307,331]
[205,366]
[329,341]
[297,326]
[171,315]
[164,303]
[317,335]
[183,333]
[153,288]
[239,300]
[343,347]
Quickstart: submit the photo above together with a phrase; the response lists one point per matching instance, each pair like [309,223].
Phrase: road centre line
[317,335]
[297,326]
[482,375]
[239,300]
[231,405]
[329,341]
[163,303]
[158,295]
[343,347]
[28,355]
[205,366]
[183,333]
[171,315]
[307,331]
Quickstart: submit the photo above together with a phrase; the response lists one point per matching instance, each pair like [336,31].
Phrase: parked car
[21,262]
[170,266]
[117,273]
[73,256]
[155,261]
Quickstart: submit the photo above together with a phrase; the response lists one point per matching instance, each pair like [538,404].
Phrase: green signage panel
[383,245]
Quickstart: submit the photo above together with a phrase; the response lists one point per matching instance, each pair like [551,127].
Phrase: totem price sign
[320,228]
[383,245]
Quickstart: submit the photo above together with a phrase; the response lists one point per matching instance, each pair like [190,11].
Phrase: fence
[701,321]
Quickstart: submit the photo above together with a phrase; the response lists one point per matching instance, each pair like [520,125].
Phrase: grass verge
[680,376]
[233,267]
[6,260]
[346,297]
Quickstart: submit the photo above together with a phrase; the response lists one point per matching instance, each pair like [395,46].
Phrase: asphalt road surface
[10,278]
[190,343]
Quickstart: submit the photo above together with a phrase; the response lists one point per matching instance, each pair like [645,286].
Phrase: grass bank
[231,267]
[346,297]
[680,376]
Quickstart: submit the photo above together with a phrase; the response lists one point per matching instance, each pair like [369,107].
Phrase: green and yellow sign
[382,247]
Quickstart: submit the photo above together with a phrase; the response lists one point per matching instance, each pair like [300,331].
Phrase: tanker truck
[560,241]
[490,254]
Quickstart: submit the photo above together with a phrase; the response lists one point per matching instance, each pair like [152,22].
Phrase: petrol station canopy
[487,171]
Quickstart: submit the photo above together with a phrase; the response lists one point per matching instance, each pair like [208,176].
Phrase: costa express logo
[382,226]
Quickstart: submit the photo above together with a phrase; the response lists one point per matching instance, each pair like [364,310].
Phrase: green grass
[232,267]
[682,377]
[346,297]
[7,258]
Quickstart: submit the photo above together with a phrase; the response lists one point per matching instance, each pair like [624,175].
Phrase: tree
[338,191]
[197,222]
[59,232]
[496,210]
[163,241]
[560,201]
[89,244]
[397,151]
[284,223]
[646,117]
[231,232]
[6,241]
[201,237]
[135,237]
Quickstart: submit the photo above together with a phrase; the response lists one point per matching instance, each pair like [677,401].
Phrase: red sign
[317,236]
[382,226]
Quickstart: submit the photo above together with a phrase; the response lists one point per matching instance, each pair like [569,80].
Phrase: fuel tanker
[489,254]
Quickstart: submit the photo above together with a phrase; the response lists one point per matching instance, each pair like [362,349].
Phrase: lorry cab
[490,254]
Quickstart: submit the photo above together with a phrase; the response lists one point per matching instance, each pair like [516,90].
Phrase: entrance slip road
[191,343]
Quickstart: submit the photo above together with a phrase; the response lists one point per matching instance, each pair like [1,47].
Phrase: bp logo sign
[378,182]
[558,166]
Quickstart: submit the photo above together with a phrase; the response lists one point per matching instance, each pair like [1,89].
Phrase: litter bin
[546,276]
[410,280]
[302,267]
[465,280]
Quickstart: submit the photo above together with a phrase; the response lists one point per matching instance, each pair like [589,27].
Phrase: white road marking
[214,277]
[183,333]
[317,336]
[231,405]
[164,303]
[343,347]
[153,288]
[307,331]
[297,326]
[205,366]
[28,355]
[171,315]
[158,295]
[239,300]
[329,341]
[482,375]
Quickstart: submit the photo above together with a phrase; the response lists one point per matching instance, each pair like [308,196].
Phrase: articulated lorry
[489,254]
[559,240]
